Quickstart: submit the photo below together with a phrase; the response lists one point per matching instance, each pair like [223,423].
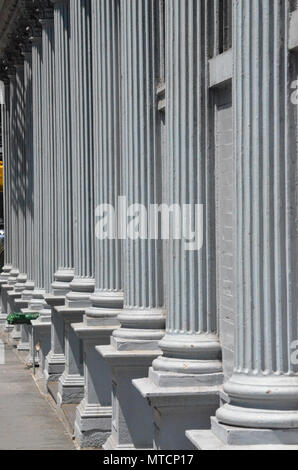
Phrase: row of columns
[128,328]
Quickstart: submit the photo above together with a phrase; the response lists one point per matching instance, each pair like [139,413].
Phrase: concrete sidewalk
[27,421]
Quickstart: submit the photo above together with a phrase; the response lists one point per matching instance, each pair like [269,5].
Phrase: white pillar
[36,299]
[262,393]
[7,182]
[14,176]
[29,194]
[19,156]
[82,153]
[7,200]
[71,383]
[135,344]
[93,418]
[183,383]
[42,326]
[18,278]
[63,149]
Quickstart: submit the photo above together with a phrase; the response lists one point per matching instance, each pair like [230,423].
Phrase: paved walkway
[27,421]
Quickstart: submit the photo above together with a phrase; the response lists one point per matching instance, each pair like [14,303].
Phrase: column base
[16,333]
[180,402]
[132,417]
[5,288]
[42,336]
[54,367]
[94,415]
[223,437]
[24,342]
[81,291]
[112,444]
[63,278]
[23,347]
[71,382]
[3,318]
[32,351]
[55,360]
[70,389]
[92,425]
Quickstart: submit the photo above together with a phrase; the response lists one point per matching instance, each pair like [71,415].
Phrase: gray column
[7,288]
[71,383]
[27,290]
[263,389]
[135,344]
[7,201]
[48,149]
[21,169]
[36,299]
[37,155]
[262,401]
[82,154]
[191,359]
[7,181]
[93,420]
[42,326]
[14,176]
[16,156]
[29,197]
[63,150]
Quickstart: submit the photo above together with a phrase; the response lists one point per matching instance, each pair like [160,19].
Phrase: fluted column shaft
[29,164]
[191,304]
[63,148]
[14,169]
[7,176]
[48,150]
[107,152]
[143,316]
[38,162]
[263,390]
[93,417]
[107,124]
[82,286]
[82,144]
[63,188]
[21,167]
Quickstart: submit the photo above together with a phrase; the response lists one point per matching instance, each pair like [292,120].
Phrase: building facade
[117,114]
